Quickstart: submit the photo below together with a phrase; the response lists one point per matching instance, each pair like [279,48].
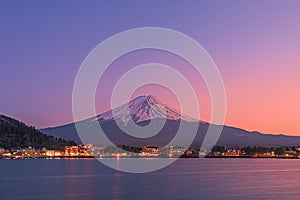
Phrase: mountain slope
[14,134]
[144,109]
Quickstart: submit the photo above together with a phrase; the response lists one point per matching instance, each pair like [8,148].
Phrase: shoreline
[92,157]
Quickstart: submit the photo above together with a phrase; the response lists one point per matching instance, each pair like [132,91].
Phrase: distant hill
[14,134]
[145,108]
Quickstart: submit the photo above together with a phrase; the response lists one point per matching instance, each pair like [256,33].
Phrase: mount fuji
[143,108]
[148,109]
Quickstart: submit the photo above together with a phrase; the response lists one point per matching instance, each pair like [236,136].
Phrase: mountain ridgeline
[145,109]
[16,134]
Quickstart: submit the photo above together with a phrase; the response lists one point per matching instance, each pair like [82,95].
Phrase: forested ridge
[16,134]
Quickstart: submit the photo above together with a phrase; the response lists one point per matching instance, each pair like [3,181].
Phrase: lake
[210,179]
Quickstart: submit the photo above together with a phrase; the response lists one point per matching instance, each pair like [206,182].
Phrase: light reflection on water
[185,179]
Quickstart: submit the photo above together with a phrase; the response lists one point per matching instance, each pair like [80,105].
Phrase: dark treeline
[15,134]
[256,149]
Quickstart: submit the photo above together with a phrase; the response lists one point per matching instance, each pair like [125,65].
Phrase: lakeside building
[151,149]
[54,153]
[78,151]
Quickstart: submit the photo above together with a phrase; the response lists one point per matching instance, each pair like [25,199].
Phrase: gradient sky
[255,44]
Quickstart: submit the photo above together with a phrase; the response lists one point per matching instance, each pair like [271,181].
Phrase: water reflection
[213,179]
[116,193]
[80,183]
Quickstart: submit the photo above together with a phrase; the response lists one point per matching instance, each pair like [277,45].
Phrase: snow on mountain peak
[143,108]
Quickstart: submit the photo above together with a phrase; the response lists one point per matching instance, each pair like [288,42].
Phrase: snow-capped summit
[143,108]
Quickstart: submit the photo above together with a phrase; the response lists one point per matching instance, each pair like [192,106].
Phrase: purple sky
[254,43]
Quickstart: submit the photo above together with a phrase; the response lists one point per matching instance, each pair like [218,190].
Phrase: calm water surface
[185,179]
